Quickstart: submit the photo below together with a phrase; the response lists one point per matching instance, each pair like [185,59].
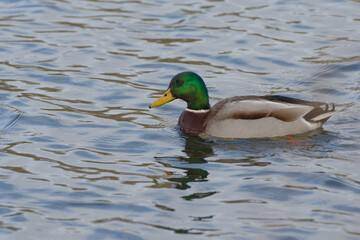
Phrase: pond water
[83,157]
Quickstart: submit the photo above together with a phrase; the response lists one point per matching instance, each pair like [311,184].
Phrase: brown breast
[193,122]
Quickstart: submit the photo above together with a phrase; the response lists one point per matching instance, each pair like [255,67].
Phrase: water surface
[82,156]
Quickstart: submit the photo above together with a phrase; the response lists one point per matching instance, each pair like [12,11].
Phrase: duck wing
[265,116]
[320,111]
[283,108]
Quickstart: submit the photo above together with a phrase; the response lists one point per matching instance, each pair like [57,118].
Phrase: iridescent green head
[189,87]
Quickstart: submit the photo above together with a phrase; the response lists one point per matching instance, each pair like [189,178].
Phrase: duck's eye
[179,83]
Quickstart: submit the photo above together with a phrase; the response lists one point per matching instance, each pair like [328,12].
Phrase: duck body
[255,117]
[244,116]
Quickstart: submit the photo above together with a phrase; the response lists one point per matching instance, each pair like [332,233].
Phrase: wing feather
[257,108]
[269,116]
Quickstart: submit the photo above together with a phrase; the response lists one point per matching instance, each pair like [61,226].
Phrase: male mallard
[241,117]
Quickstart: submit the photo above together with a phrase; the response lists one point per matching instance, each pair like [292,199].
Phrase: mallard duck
[241,116]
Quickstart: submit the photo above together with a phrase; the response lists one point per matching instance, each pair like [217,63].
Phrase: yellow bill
[167,97]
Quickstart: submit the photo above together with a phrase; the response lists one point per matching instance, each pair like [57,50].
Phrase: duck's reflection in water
[196,150]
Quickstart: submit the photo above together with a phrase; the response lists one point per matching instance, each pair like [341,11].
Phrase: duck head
[189,87]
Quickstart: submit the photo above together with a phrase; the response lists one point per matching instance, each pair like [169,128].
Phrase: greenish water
[82,156]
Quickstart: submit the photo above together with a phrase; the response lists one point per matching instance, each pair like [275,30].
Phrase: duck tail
[319,114]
